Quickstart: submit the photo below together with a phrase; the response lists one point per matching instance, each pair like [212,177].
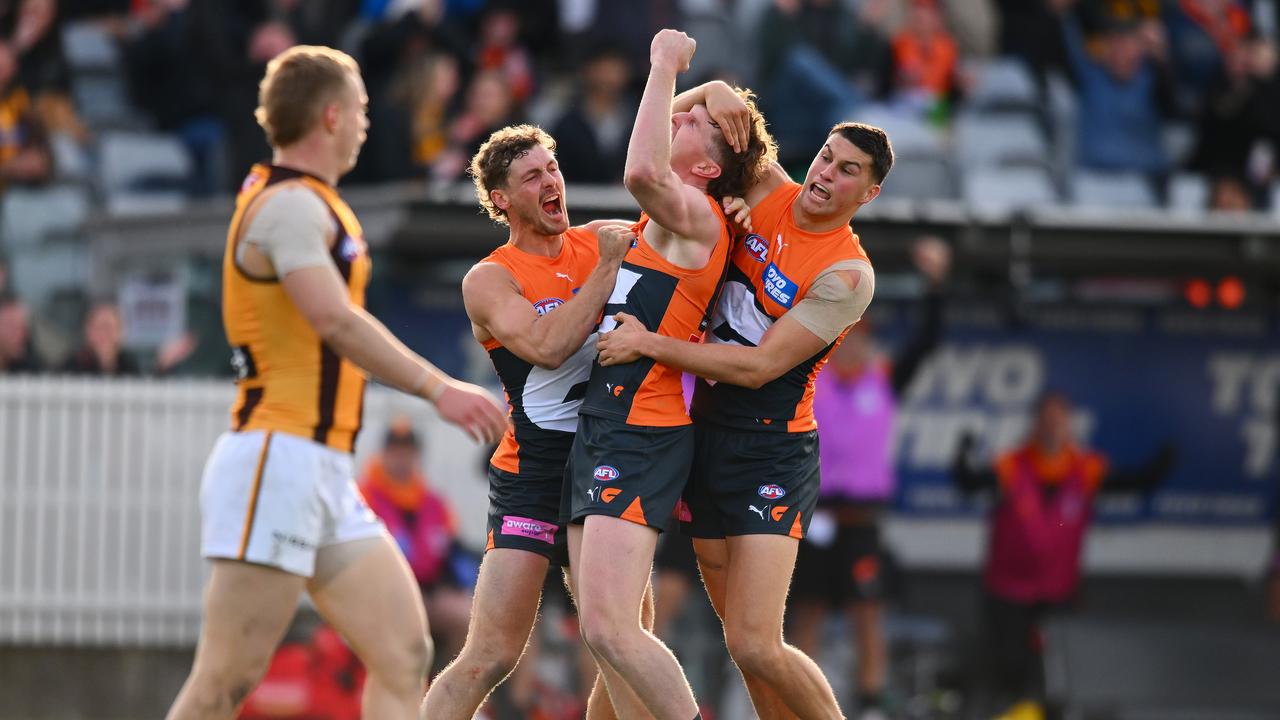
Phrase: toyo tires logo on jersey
[779,286]
[757,247]
[771,491]
[605,473]
[542,307]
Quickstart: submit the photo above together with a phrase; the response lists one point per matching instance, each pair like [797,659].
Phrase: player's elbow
[758,374]
[332,324]
[548,361]
[642,177]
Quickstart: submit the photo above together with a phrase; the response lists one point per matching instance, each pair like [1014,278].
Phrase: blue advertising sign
[1208,385]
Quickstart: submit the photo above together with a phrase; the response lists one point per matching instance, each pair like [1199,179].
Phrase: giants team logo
[757,247]
[545,306]
[605,473]
[771,491]
[351,248]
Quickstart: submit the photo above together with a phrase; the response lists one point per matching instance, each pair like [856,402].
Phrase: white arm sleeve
[831,305]
[292,227]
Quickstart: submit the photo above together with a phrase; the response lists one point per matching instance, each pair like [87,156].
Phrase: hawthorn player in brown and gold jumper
[281,512]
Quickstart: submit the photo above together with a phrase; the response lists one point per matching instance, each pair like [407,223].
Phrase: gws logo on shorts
[771,492]
[779,286]
[544,306]
[605,473]
[778,512]
[351,248]
[757,247]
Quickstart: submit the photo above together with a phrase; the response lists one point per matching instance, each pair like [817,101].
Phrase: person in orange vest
[1045,493]
[423,526]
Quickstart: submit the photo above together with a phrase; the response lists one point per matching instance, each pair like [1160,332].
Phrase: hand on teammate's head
[730,111]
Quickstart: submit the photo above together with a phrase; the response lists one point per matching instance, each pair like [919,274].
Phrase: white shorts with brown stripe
[276,499]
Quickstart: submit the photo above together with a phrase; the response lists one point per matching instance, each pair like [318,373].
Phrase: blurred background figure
[591,136]
[819,61]
[24,150]
[15,341]
[1125,91]
[926,60]
[423,525]
[102,352]
[841,565]
[1045,491]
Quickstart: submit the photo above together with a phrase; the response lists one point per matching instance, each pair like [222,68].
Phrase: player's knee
[489,663]
[402,664]
[603,633]
[754,652]
[222,686]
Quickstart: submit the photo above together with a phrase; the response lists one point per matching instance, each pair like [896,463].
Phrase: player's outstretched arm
[802,332]
[495,303]
[680,208]
[321,297]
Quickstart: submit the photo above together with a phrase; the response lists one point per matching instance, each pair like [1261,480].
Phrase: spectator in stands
[103,352]
[29,27]
[489,106]
[1124,92]
[413,114]
[974,24]
[1230,193]
[1032,30]
[404,35]
[24,149]
[423,526]
[15,341]
[499,49]
[1203,34]
[1238,113]
[840,564]
[925,58]
[1045,492]
[1098,14]
[591,137]
[818,61]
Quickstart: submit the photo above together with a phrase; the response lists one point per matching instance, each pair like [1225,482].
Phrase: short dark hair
[490,165]
[739,171]
[872,141]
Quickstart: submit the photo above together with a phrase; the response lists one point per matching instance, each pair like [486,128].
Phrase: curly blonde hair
[490,165]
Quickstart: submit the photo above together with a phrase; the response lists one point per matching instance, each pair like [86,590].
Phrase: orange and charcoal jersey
[544,403]
[770,271]
[288,379]
[668,300]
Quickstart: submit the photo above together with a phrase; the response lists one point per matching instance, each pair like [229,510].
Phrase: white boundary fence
[99,515]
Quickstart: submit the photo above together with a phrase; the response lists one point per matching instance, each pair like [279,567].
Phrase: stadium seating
[1091,189]
[1002,190]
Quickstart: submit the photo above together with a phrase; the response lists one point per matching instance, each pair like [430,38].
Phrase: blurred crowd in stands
[1152,87]
[140,106]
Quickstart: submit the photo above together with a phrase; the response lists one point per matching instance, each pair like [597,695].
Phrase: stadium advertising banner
[1207,385]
